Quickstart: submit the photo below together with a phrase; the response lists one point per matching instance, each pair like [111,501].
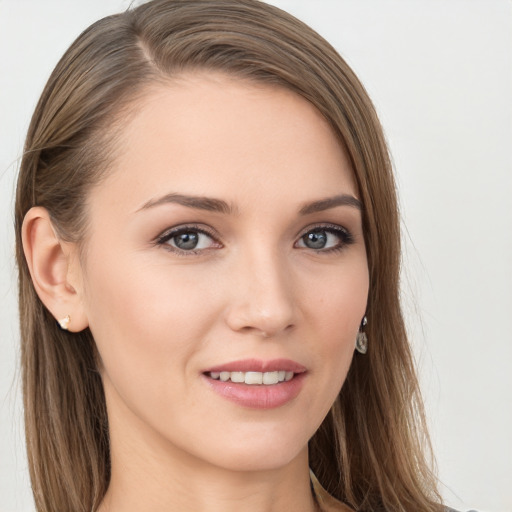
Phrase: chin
[258,453]
[250,462]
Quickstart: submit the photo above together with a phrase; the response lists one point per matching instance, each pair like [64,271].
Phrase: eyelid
[346,236]
[324,225]
[167,234]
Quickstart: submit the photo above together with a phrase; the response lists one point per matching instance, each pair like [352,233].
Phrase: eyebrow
[201,203]
[218,205]
[331,202]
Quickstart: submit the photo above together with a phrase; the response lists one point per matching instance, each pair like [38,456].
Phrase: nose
[261,296]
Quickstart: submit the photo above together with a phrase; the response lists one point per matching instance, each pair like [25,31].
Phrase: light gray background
[440,74]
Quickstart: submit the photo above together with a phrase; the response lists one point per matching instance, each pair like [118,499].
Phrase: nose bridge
[262,299]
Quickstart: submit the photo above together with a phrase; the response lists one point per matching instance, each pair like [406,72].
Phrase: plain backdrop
[440,74]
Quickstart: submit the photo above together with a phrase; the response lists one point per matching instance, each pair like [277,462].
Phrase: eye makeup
[325,238]
[188,239]
[193,239]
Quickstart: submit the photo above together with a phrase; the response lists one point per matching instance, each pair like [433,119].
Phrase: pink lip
[258,396]
[258,365]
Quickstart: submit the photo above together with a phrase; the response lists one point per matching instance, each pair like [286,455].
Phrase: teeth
[270,377]
[237,377]
[254,378]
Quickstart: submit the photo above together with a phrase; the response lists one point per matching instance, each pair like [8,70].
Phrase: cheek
[145,323]
[335,314]
[338,301]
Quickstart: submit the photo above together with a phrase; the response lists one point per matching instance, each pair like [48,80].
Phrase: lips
[257,365]
[257,384]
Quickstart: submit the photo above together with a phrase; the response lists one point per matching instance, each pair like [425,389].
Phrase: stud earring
[64,322]
[361,338]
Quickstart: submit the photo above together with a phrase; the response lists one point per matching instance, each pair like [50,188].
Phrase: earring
[64,322]
[361,338]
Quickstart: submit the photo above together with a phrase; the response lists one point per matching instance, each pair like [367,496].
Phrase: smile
[257,384]
[253,378]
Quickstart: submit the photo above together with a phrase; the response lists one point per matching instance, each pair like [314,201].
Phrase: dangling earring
[64,322]
[361,338]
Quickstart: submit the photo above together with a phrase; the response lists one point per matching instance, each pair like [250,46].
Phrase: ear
[55,269]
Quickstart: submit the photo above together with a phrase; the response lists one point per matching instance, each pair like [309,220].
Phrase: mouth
[257,384]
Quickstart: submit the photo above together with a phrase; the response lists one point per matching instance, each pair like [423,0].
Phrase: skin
[253,289]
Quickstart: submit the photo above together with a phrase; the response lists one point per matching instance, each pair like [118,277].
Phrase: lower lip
[258,396]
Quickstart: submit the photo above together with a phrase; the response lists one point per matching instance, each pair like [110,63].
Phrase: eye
[325,238]
[187,239]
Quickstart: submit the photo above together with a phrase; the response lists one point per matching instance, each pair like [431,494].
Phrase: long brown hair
[370,450]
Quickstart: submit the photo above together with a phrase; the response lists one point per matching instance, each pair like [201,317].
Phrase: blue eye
[325,238]
[187,239]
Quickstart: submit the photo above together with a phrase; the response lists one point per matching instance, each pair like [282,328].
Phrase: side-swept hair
[370,450]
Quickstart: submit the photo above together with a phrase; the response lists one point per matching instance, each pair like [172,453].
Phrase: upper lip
[258,365]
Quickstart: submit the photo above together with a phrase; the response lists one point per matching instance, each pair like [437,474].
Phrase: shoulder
[328,503]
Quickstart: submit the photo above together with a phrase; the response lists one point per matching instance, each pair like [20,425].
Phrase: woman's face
[226,245]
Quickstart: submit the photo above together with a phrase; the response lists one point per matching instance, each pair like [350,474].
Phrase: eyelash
[166,236]
[344,235]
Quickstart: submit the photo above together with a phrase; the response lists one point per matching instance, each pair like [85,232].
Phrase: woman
[206,231]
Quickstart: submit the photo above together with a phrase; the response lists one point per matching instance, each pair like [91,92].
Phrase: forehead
[211,134]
